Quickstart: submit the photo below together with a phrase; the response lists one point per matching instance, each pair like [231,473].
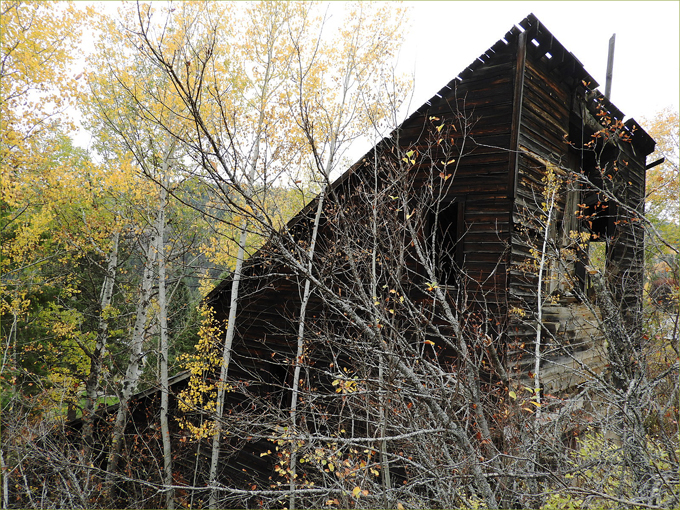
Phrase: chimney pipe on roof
[610,68]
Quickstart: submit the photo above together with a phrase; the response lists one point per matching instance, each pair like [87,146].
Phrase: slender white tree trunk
[224,370]
[382,426]
[231,323]
[325,172]
[233,303]
[5,482]
[97,357]
[549,209]
[163,326]
[300,352]
[134,368]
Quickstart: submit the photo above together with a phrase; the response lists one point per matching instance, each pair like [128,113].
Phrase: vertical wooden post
[517,114]
[610,68]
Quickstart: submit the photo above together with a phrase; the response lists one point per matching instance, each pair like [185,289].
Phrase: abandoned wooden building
[516,161]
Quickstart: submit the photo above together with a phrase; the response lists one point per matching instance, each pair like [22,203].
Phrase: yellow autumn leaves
[200,396]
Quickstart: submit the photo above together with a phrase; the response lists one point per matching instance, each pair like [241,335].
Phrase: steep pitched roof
[565,66]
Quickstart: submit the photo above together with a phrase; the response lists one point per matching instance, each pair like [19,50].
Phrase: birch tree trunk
[163,326]
[224,370]
[134,368]
[552,187]
[5,481]
[382,426]
[324,170]
[97,357]
[233,305]
[300,352]
[265,89]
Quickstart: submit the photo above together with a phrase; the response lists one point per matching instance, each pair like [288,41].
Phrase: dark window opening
[446,228]
[597,161]
[597,216]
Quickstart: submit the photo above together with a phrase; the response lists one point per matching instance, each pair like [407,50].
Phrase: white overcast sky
[447,36]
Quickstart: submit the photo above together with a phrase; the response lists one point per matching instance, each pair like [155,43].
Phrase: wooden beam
[610,68]
[656,163]
[517,114]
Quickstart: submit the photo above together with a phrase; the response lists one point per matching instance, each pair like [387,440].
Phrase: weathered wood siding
[483,96]
[558,115]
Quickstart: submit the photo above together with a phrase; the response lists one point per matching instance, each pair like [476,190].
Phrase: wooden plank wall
[484,96]
[545,113]
[543,125]
[549,105]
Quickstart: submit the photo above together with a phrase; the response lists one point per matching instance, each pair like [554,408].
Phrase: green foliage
[599,470]
[558,501]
